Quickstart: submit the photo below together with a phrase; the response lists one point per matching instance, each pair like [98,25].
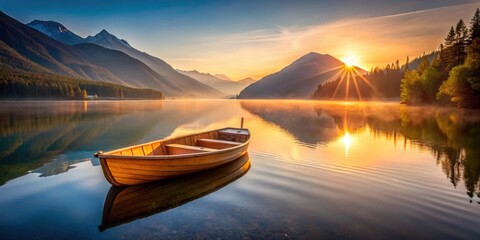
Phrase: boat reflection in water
[126,204]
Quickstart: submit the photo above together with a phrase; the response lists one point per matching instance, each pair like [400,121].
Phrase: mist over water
[317,169]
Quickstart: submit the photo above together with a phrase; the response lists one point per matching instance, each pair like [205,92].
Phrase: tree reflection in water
[44,131]
[451,135]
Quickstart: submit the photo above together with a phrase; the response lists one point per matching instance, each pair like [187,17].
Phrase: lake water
[314,170]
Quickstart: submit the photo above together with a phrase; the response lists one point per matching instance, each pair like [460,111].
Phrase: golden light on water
[347,140]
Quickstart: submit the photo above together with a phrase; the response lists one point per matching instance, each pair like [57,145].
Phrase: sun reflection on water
[347,140]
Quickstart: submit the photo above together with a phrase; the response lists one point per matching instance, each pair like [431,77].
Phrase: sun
[350,60]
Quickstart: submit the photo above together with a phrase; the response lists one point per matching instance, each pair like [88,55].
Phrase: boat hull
[123,170]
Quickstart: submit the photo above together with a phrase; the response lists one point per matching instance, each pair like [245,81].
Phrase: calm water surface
[314,169]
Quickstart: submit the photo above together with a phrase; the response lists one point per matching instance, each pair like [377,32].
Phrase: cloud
[376,41]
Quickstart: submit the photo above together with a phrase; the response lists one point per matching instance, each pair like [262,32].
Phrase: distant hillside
[247,81]
[132,71]
[22,84]
[415,63]
[12,60]
[222,77]
[219,81]
[298,80]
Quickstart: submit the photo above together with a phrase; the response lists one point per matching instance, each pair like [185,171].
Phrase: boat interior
[196,143]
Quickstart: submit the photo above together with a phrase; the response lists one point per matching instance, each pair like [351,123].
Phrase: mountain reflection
[48,137]
[301,120]
[451,135]
[32,137]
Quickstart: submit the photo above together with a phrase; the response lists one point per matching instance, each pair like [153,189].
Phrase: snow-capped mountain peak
[56,30]
[48,27]
[107,39]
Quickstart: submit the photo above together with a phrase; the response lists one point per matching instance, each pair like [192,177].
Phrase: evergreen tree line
[379,83]
[453,77]
[20,84]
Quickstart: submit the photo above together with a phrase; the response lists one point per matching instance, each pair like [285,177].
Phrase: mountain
[39,53]
[247,81]
[224,85]
[205,78]
[415,63]
[127,69]
[131,71]
[298,80]
[222,77]
[26,49]
[56,31]
[11,60]
[169,74]
[33,50]
[105,39]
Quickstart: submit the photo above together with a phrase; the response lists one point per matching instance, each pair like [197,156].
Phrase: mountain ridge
[116,61]
[56,31]
[168,76]
[41,50]
[298,80]
[184,82]
[225,85]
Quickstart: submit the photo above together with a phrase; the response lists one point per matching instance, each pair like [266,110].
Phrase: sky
[256,38]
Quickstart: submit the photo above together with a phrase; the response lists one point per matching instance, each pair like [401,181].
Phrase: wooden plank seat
[216,144]
[175,149]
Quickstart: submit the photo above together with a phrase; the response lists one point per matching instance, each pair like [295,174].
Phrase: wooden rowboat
[173,157]
[127,204]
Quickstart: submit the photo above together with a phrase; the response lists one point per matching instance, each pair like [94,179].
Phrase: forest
[448,76]
[21,84]
[453,77]
[379,83]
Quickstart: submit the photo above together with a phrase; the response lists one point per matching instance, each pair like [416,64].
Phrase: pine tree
[448,56]
[450,39]
[442,58]
[463,84]
[406,64]
[461,31]
[461,37]
[424,64]
[475,26]
[473,62]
